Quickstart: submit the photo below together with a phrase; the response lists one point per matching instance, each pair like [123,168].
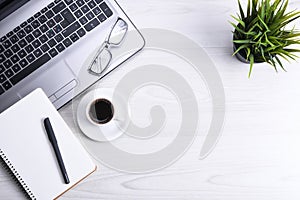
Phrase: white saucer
[104,132]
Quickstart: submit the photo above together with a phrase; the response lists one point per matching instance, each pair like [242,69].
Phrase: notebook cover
[25,144]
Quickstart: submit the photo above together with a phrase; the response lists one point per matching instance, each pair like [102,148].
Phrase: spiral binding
[15,175]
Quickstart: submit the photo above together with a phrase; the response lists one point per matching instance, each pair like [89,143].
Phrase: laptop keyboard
[46,34]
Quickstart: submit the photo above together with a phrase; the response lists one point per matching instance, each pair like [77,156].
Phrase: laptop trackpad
[55,79]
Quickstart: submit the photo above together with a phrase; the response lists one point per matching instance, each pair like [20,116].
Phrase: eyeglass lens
[102,61]
[118,32]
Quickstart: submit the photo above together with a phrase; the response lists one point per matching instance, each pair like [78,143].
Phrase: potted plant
[260,34]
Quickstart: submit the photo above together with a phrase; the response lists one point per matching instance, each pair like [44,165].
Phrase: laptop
[46,44]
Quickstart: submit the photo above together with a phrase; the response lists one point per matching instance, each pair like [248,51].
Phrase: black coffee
[101,111]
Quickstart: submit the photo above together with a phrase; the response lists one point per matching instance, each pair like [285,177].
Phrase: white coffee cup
[108,126]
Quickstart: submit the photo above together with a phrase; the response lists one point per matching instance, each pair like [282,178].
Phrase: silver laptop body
[63,73]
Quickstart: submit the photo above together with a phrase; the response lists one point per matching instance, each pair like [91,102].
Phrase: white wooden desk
[258,155]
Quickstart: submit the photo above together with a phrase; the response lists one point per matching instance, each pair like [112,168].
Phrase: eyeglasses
[103,56]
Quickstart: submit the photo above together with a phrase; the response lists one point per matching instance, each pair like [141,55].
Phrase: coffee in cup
[101,111]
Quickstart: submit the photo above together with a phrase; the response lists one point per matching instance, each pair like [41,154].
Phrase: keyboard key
[21,34]
[15,48]
[64,23]
[2,69]
[29,48]
[30,58]
[50,23]
[8,73]
[37,53]
[90,15]
[1,48]
[36,43]
[106,9]
[73,7]
[37,14]
[78,13]
[9,34]
[91,25]
[57,28]
[96,11]
[67,42]
[30,19]
[101,17]
[44,10]
[14,59]
[28,29]
[45,47]
[85,9]
[23,63]
[3,39]
[50,33]
[59,7]
[6,85]
[49,14]
[58,38]
[1,90]
[7,64]
[35,24]
[14,39]
[42,19]
[57,1]
[37,33]
[29,38]
[91,4]
[68,2]
[31,68]
[52,43]
[44,28]
[71,29]
[8,53]
[2,78]
[81,32]
[58,18]
[53,52]
[67,15]
[43,38]
[22,43]
[74,37]
[16,68]
[80,3]
[7,44]
[22,53]
[17,29]
[2,58]
[50,5]
[83,20]
[60,47]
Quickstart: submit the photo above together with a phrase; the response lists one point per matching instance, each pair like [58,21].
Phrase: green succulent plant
[260,34]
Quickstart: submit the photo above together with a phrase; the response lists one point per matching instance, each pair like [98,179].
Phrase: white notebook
[27,151]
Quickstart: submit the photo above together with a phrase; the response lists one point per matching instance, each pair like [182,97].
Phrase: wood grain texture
[257,157]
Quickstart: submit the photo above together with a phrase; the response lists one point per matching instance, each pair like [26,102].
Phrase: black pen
[53,141]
